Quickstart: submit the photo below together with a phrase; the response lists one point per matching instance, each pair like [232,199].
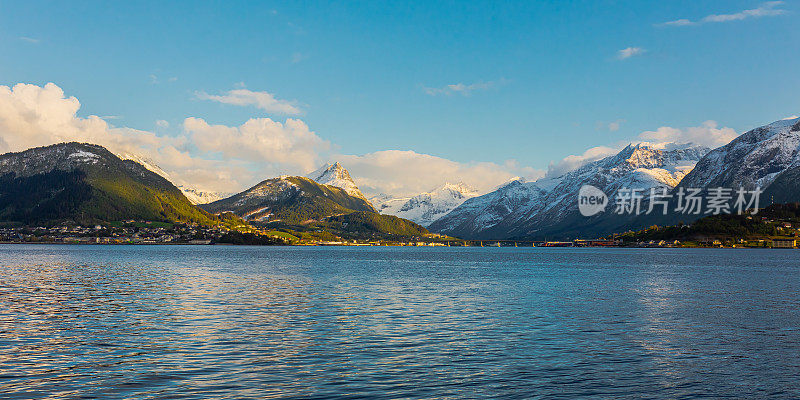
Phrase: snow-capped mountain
[425,208]
[756,158]
[525,209]
[483,212]
[143,161]
[197,196]
[335,175]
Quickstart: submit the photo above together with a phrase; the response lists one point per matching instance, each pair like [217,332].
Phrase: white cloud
[629,52]
[707,134]
[678,22]
[162,123]
[32,116]
[571,162]
[405,172]
[767,9]
[29,39]
[459,88]
[262,100]
[260,140]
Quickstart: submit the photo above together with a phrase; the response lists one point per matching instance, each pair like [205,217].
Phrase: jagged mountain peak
[336,175]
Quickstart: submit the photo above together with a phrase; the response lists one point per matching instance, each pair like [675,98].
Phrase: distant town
[161,233]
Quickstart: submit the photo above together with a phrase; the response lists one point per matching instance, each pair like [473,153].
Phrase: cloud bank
[230,158]
[405,172]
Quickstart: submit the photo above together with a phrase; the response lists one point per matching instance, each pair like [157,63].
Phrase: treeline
[247,238]
[373,222]
[765,223]
[43,197]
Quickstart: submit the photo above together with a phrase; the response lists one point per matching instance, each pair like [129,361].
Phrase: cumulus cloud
[459,88]
[767,9]
[261,100]
[629,52]
[32,116]
[571,162]
[405,172]
[162,123]
[260,140]
[707,134]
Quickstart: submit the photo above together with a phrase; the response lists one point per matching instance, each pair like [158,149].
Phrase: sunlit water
[328,322]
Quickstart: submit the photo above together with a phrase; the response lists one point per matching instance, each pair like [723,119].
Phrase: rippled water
[323,322]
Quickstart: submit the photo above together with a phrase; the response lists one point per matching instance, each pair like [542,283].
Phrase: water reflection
[212,322]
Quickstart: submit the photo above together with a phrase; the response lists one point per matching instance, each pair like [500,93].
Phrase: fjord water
[377,322]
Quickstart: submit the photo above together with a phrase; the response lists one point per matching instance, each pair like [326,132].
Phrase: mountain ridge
[427,207]
[95,183]
[523,209]
[336,175]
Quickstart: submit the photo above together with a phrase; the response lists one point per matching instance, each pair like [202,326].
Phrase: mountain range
[84,183]
[302,204]
[425,208]
[87,184]
[766,156]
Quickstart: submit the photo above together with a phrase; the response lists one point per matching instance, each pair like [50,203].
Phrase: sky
[406,95]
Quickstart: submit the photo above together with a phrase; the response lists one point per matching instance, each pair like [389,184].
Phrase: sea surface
[213,322]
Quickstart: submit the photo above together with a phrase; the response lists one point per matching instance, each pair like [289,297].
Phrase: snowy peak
[145,162]
[197,196]
[511,201]
[425,208]
[336,175]
[519,208]
[755,158]
[458,189]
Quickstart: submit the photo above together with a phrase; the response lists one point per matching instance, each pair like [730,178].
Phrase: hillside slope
[291,200]
[87,183]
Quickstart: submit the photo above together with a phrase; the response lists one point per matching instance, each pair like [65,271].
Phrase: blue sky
[531,81]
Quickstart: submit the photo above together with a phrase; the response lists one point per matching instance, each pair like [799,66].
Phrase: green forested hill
[86,183]
[371,222]
[290,200]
